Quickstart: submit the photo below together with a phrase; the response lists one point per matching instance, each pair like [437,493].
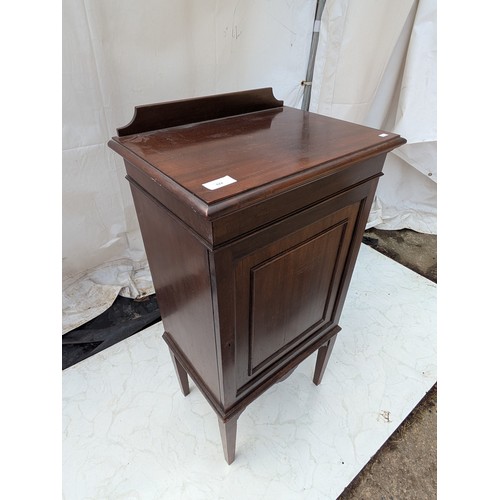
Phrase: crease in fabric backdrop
[117,55]
[376,66]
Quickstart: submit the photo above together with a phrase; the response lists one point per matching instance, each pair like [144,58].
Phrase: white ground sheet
[129,433]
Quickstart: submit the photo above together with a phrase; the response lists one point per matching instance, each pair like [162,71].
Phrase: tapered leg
[181,375]
[228,437]
[322,360]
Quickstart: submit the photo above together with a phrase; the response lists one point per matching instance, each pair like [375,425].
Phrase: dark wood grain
[227,430]
[181,277]
[182,376]
[303,261]
[324,353]
[250,278]
[304,274]
[176,113]
[280,143]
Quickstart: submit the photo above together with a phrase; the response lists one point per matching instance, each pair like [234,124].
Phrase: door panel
[285,292]
[289,295]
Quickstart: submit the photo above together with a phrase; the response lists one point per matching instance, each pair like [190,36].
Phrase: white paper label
[218,183]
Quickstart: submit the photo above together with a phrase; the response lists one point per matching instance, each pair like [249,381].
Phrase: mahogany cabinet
[252,215]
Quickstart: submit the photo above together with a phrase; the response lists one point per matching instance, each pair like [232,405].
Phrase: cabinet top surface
[255,149]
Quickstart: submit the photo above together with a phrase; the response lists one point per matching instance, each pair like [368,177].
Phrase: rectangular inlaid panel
[290,294]
[285,290]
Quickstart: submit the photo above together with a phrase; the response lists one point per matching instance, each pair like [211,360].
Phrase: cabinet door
[286,283]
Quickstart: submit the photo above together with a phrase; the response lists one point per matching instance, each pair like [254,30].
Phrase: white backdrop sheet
[119,54]
[375,66]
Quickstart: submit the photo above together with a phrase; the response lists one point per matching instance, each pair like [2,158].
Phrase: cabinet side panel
[181,276]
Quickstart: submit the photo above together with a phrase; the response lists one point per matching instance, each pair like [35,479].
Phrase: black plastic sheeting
[123,319]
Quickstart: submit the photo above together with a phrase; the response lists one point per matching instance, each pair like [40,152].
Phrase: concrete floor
[406,466]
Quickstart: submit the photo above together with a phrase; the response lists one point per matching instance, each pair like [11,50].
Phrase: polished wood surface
[285,289]
[324,353]
[255,149]
[228,437]
[251,278]
[176,113]
[181,373]
[181,277]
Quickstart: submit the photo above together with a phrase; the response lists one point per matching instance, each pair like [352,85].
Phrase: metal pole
[307,83]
